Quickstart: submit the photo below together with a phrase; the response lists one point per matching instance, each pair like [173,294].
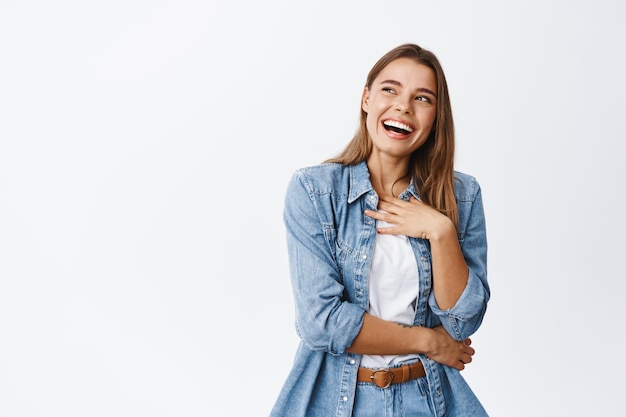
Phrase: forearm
[380,337]
[450,272]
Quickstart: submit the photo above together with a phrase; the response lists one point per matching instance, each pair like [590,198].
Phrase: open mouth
[397,127]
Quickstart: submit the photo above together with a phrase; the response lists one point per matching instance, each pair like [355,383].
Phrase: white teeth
[398,125]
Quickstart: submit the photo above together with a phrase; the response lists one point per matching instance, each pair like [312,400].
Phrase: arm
[450,272]
[380,337]
[323,320]
[416,219]
[460,288]
[465,317]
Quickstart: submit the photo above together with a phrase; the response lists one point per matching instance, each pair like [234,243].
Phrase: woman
[388,254]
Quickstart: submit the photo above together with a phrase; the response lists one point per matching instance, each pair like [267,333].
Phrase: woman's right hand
[447,351]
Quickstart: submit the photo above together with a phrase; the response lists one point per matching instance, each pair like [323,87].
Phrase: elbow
[463,327]
[314,339]
[333,333]
[466,316]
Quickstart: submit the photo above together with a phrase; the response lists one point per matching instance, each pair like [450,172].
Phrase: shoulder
[327,169]
[466,187]
[322,178]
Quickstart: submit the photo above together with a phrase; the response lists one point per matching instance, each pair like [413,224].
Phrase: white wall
[144,151]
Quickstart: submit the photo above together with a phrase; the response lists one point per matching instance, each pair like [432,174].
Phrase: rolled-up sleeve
[466,316]
[324,321]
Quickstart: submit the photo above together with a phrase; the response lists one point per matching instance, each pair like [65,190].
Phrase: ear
[365,100]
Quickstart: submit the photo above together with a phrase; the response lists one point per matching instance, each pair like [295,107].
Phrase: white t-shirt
[393,288]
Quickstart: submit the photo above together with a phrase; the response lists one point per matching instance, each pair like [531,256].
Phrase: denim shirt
[330,244]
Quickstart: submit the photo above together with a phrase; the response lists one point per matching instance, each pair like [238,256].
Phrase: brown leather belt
[384,377]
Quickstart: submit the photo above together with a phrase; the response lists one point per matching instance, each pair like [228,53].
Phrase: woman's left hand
[411,218]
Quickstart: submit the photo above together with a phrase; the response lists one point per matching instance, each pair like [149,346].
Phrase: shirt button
[364,256]
[352,361]
[344,398]
[423,258]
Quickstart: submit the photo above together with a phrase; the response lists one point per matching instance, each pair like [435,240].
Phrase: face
[401,107]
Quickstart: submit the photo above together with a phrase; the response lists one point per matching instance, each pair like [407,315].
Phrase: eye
[423,99]
[388,90]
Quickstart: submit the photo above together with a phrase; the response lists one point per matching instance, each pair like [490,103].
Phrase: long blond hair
[432,164]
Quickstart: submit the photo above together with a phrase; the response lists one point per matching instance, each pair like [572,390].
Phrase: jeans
[408,399]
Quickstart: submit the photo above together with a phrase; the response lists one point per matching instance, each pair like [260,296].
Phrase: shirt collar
[360,183]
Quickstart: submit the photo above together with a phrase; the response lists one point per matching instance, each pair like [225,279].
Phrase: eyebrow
[399,84]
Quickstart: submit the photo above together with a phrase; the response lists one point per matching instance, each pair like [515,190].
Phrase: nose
[402,104]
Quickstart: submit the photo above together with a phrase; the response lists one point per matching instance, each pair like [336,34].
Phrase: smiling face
[401,107]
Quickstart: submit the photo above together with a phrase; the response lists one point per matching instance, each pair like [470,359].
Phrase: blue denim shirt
[330,244]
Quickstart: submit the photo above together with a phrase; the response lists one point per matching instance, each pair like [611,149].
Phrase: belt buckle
[382,378]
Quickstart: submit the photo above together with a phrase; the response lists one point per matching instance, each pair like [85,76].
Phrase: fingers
[392,230]
[387,206]
[453,353]
[465,356]
[378,215]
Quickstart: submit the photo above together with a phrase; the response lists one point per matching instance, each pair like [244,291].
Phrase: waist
[388,376]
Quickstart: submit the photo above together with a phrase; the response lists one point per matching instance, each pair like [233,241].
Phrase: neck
[388,179]
[389,188]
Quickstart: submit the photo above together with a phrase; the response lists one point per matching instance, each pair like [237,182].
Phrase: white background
[145,147]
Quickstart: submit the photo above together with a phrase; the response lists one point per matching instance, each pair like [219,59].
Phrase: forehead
[409,73]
